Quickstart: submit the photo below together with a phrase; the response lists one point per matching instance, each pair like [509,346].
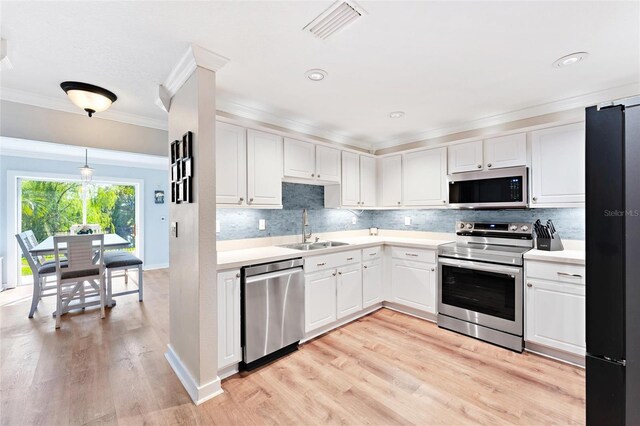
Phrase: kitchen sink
[314,246]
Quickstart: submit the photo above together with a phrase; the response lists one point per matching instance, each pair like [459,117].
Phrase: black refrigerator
[613,263]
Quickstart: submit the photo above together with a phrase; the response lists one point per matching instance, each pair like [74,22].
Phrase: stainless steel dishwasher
[272,311]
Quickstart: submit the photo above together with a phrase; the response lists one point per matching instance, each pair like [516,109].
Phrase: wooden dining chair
[41,269]
[82,277]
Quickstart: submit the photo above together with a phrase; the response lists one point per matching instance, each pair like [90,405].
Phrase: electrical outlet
[262,225]
[354,220]
[217,226]
[407,220]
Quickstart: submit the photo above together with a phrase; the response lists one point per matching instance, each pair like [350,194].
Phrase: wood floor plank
[385,368]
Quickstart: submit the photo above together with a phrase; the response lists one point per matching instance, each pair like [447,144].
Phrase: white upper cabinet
[558,165]
[264,168]
[465,157]
[424,179]
[505,151]
[391,181]
[327,164]
[299,159]
[368,181]
[231,164]
[350,179]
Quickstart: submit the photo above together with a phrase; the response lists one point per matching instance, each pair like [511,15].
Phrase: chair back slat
[81,251]
[26,244]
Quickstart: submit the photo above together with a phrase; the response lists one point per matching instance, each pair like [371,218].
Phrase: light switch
[262,225]
[217,226]
[407,220]
[354,220]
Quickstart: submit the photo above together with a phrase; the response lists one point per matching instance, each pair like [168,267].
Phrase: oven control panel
[494,229]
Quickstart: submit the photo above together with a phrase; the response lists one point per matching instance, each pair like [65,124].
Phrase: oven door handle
[480,266]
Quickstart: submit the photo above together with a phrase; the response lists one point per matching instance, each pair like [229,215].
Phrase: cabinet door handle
[398,202]
[339,273]
[334,274]
[250,200]
[411,254]
[489,165]
[373,254]
[238,275]
[349,258]
[313,175]
[433,269]
[529,285]
[318,176]
[479,166]
[322,264]
[535,199]
[241,200]
[564,274]
[365,266]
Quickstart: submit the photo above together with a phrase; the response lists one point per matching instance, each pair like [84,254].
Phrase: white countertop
[241,253]
[233,259]
[575,257]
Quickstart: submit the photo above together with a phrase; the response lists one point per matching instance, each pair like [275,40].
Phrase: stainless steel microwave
[493,189]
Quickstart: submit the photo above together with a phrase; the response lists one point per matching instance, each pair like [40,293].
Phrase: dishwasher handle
[271,275]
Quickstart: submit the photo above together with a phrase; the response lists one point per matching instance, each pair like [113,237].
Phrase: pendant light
[90,98]
[86,172]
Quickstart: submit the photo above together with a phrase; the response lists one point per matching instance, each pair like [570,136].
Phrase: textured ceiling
[444,63]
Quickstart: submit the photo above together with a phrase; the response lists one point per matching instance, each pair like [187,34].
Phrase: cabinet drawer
[347,257]
[417,255]
[331,260]
[560,272]
[371,253]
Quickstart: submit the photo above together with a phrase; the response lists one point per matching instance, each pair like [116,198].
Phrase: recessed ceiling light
[396,114]
[316,75]
[571,59]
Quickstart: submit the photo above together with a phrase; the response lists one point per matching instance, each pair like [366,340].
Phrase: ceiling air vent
[334,19]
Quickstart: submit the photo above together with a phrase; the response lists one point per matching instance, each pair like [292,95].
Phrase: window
[50,207]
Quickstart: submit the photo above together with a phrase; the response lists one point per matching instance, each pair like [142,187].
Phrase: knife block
[550,244]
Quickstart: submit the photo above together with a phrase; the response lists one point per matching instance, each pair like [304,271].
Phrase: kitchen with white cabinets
[375,212]
[372,204]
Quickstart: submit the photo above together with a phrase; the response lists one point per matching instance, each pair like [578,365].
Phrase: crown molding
[63,104]
[195,56]
[73,153]
[592,98]
[255,114]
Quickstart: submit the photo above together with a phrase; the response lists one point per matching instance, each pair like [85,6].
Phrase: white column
[193,345]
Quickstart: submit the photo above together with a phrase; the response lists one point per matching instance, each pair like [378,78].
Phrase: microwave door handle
[480,266]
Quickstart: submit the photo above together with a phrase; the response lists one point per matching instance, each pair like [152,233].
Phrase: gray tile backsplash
[243,223]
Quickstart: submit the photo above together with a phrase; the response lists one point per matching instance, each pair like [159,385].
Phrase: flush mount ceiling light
[86,172]
[334,19]
[316,75]
[396,114]
[88,97]
[571,59]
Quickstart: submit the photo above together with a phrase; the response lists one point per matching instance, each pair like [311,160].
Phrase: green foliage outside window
[50,207]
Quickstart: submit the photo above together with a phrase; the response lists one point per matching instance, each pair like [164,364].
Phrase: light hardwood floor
[386,368]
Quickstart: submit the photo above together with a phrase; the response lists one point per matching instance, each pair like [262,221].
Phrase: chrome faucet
[305,224]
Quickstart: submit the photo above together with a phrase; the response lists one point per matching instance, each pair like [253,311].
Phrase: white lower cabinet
[349,290]
[372,289]
[413,284]
[229,345]
[555,310]
[320,299]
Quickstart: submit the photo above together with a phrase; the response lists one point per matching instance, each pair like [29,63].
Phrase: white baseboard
[158,266]
[198,394]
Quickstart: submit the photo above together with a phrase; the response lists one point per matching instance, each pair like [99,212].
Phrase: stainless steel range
[481,281]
